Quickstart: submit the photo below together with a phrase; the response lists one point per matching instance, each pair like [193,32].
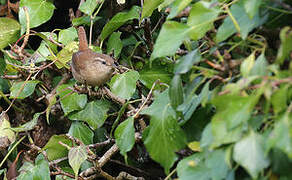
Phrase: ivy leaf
[118,20]
[40,170]
[281,136]
[54,149]
[67,35]
[94,113]
[71,102]
[40,11]
[247,65]
[178,33]
[82,132]
[124,85]
[9,31]
[115,44]
[65,55]
[29,125]
[249,153]
[7,136]
[201,19]
[260,66]
[28,89]
[279,99]
[245,23]
[251,7]
[149,75]
[165,136]
[185,63]
[125,135]
[176,92]
[286,44]
[89,6]
[77,155]
[149,6]
[177,7]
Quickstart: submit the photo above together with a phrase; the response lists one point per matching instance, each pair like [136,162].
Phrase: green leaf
[185,63]
[249,153]
[234,109]
[115,44]
[201,19]
[38,171]
[89,6]
[71,101]
[67,35]
[77,155]
[247,65]
[149,6]
[279,99]
[216,162]
[177,7]
[251,7]
[286,44]
[5,132]
[281,136]
[165,136]
[27,88]
[9,31]
[125,135]
[124,85]
[29,125]
[192,167]
[118,20]
[149,75]
[54,149]
[189,106]
[245,23]
[176,92]
[65,55]
[260,66]
[40,11]
[94,113]
[178,33]
[84,20]
[82,132]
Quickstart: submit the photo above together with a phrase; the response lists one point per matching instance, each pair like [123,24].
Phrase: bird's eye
[103,62]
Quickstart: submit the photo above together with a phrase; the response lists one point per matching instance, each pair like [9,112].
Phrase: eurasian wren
[89,67]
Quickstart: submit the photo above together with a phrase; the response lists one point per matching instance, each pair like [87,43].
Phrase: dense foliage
[203,91]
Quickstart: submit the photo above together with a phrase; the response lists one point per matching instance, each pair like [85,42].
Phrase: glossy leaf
[279,99]
[245,23]
[149,6]
[185,63]
[71,101]
[82,132]
[249,153]
[115,44]
[77,155]
[27,88]
[38,171]
[54,149]
[65,55]
[176,92]
[281,136]
[118,20]
[125,135]
[89,6]
[251,7]
[201,19]
[178,33]
[165,137]
[260,66]
[9,31]
[40,11]
[124,85]
[149,75]
[247,65]
[177,7]
[94,113]
[29,125]
[286,45]
[67,35]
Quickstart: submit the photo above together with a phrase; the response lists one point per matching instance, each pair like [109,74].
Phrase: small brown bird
[89,67]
